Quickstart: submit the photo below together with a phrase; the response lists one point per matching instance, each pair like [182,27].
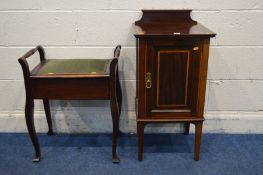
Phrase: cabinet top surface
[170,23]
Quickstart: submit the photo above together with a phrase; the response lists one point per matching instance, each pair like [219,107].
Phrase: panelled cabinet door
[171,78]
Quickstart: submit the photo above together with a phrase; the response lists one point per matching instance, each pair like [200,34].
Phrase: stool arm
[117,51]
[114,62]
[114,68]
[24,63]
[31,52]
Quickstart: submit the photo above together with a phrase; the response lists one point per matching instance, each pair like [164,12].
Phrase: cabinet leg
[198,137]
[186,128]
[29,114]
[140,136]
[115,133]
[48,116]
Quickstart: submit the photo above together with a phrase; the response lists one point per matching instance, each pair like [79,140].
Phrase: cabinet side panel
[202,78]
[141,68]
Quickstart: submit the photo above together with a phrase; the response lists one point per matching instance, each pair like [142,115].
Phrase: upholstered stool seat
[73,67]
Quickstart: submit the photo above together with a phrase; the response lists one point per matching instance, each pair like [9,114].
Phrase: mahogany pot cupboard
[172,56]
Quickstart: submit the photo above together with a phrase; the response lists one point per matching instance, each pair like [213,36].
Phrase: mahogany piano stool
[172,57]
[71,79]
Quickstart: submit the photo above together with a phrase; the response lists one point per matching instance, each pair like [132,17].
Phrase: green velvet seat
[73,66]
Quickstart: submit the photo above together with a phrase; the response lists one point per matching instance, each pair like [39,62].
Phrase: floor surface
[165,154]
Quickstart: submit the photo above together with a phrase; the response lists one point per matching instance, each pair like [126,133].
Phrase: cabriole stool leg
[115,133]
[48,116]
[29,113]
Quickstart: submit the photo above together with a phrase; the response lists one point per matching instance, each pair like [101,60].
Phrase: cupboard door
[174,72]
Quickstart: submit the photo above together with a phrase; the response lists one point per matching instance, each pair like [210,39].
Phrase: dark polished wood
[176,24]
[140,136]
[172,56]
[198,136]
[48,116]
[66,84]
[186,128]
